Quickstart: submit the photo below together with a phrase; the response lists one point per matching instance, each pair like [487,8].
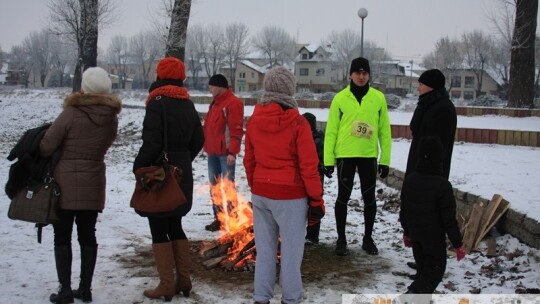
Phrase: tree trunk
[176,42]
[521,87]
[88,41]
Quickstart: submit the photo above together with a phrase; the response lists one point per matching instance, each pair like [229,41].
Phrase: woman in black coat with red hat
[185,140]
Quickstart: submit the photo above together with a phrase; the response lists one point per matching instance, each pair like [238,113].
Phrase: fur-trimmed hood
[80,100]
[99,108]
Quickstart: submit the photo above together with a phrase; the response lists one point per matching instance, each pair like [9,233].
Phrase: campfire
[234,250]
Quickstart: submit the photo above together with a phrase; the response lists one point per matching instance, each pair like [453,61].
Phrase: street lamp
[410,79]
[362,13]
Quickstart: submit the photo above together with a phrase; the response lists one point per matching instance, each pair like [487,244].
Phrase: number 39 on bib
[362,129]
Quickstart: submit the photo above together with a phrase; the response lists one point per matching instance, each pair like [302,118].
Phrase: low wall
[515,223]
[469,135]
[464,111]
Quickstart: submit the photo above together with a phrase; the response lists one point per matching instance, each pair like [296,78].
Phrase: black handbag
[37,203]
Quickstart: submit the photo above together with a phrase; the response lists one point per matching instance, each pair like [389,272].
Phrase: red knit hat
[171,68]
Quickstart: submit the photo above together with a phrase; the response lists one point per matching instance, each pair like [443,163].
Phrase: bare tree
[146,47]
[522,67]
[447,57]
[37,46]
[346,46]
[21,61]
[278,46]
[117,54]
[63,53]
[79,21]
[236,46]
[176,41]
[214,51]
[477,47]
[196,52]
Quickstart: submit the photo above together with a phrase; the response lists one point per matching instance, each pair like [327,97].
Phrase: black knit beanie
[358,65]
[218,80]
[312,120]
[433,79]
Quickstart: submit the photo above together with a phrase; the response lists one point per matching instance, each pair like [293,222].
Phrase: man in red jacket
[223,131]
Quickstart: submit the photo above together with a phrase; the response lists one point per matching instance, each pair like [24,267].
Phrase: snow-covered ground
[124,269]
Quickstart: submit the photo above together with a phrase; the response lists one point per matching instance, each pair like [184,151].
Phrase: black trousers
[86,227]
[430,258]
[312,232]
[166,229]
[367,172]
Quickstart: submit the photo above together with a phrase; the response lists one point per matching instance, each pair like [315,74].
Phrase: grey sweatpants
[285,219]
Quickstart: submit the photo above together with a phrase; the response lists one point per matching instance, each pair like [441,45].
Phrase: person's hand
[316,211]
[231,159]
[328,171]
[407,241]
[460,253]
[383,171]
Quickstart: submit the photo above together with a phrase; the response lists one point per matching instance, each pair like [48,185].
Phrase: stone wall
[512,222]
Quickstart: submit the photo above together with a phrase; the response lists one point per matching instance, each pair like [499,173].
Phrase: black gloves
[316,212]
[383,171]
[328,170]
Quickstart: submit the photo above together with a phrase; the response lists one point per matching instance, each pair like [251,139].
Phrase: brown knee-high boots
[181,260]
[163,254]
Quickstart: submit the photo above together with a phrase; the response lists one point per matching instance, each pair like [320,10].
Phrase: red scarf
[171,91]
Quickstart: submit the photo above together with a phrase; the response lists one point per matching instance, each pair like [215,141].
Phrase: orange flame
[235,215]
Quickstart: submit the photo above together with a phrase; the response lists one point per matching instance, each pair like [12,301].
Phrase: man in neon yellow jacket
[357,134]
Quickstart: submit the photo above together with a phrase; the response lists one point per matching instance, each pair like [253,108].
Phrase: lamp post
[410,79]
[362,13]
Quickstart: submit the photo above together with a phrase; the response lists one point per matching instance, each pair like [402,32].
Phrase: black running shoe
[341,248]
[369,246]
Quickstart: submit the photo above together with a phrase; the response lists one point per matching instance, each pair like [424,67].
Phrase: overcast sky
[406,28]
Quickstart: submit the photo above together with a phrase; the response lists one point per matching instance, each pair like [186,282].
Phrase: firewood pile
[480,220]
[221,253]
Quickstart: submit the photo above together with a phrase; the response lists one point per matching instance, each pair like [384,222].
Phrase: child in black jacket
[312,235]
[428,215]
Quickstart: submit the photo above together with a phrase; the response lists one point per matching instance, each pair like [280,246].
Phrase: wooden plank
[497,214]
[212,263]
[469,236]
[489,211]
[491,247]
[517,138]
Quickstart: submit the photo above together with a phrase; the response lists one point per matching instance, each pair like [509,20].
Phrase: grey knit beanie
[279,86]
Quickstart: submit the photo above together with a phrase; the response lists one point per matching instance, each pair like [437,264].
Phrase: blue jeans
[219,169]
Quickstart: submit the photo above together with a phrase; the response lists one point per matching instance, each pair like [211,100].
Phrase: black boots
[88,264]
[63,257]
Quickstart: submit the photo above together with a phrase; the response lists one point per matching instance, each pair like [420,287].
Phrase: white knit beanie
[96,81]
[279,86]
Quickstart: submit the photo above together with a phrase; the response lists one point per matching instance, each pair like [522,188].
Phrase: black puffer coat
[435,115]
[428,205]
[185,140]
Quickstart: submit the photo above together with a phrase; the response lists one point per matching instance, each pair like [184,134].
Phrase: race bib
[362,129]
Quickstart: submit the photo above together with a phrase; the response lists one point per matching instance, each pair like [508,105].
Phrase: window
[305,56]
[468,95]
[455,94]
[304,72]
[469,81]
[252,74]
[320,72]
[456,82]
[242,75]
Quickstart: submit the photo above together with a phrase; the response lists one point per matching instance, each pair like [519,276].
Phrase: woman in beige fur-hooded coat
[84,131]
